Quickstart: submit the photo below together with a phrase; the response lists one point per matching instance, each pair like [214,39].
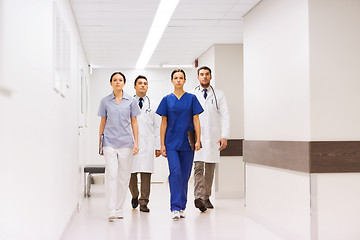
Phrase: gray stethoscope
[149,107]
[212,89]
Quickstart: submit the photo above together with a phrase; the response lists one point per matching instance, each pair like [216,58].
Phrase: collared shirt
[146,103]
[118,131]
[203,90]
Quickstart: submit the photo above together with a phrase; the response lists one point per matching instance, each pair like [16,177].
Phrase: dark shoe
[144,208]
[208,204]
[200,205]
[134,202]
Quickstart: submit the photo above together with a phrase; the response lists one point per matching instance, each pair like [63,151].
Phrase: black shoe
[200,205]
[134,202]
[208,204]
[144,208]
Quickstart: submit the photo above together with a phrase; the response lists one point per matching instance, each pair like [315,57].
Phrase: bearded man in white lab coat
[215,129]
[149,140]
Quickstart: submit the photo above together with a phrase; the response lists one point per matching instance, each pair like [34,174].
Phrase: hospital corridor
[179,119]
[227,221]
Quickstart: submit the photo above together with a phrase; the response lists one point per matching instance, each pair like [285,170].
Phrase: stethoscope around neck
[149,107]
[212,89]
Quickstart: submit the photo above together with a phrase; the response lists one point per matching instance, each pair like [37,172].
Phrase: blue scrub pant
[180,165]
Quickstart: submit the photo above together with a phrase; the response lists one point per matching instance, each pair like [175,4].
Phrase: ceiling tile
[113,32]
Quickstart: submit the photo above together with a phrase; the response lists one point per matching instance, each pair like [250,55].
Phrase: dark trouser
[203,179]
[145,187]
[180,164]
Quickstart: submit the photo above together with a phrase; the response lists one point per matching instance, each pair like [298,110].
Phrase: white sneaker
[182,213]
[176,215]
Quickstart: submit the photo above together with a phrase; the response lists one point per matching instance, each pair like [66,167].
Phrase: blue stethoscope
[212,89]
[149,107]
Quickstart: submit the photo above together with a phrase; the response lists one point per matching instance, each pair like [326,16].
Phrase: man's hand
[223,143]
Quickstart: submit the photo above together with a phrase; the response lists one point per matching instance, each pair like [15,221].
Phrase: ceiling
[113,32]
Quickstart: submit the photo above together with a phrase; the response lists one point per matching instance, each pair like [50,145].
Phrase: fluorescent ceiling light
[177,66]
[161,20]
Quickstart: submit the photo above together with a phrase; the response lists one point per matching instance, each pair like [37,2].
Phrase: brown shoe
[200,205]
[208,204]
[144,208]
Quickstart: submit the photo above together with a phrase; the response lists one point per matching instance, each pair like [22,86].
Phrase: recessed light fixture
[161,20]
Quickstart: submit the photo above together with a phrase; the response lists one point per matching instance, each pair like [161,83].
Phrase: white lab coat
[149,137]
[215,124]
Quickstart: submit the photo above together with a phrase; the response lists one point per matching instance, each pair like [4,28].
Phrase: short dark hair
[178,70]
[112,75]
[203,68]
[139,77]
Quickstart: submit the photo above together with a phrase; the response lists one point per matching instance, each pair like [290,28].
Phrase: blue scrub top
[179,113]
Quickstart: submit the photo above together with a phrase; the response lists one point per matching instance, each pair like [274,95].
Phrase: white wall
[226,64]
[39,128]
[301,83]
[335,205]
[279,199]
[335,115]
[2,88]
[335,69]
[229,72]
[276,76]
[207,58]
[277,107]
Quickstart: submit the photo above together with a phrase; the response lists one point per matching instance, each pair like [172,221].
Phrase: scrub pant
[180,165]
[117,177]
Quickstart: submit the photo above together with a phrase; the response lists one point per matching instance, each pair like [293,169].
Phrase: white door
[82,126]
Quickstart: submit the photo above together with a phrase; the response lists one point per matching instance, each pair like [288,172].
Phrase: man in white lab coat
[215,130]
[149,145]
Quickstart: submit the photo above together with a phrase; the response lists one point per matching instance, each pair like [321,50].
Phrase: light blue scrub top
[118,132]
[179,113]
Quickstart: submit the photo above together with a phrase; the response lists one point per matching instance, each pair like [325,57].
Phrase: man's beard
[205,85]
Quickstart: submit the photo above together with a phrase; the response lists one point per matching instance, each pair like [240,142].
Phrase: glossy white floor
[226,221]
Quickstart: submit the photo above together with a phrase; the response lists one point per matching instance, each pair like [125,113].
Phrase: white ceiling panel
[113,32]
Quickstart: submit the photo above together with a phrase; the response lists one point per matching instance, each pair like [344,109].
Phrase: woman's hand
[197,146]
[136,149]
[163,151]
[101,151]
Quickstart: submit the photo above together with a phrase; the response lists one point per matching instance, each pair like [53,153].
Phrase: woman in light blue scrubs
[119,128]
[180,113]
